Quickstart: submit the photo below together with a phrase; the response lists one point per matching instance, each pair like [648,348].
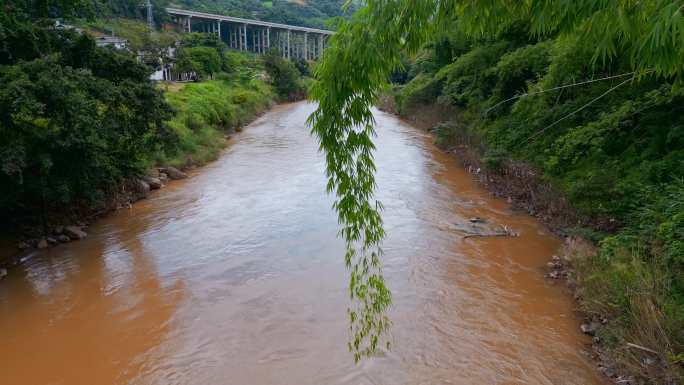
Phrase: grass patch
[205,112]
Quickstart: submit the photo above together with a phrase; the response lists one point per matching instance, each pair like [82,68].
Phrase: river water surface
[236,276]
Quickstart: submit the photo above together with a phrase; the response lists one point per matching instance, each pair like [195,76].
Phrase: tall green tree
[284,75]
[205,61]
[75,119]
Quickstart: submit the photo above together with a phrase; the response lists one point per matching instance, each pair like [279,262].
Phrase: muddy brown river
[236,276]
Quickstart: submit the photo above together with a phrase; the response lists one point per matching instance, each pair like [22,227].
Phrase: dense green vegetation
[286,78]
[74,118]
[614,147]
[77,121]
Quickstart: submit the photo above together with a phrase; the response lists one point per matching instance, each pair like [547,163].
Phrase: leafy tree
[284,75]
[184,63]
[205,61]
[199,39]
[302,66]
[40,9]
[70,134]
[76,119]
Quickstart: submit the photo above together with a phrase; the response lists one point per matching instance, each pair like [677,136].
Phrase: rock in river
[155,183]
[74,232]
[590,328]
[174,173]
[141,189]
[42,244]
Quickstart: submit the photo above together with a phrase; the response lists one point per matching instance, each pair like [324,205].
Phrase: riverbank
[517,182]
[206,115]
[631,347]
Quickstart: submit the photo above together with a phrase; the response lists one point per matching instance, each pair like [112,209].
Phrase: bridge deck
[211,16]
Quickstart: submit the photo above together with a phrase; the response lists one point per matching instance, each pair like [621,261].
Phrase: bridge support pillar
[243,42]
[288,43]
[234,38]
[268,38]
[320,46]
[306,46]
[292,41]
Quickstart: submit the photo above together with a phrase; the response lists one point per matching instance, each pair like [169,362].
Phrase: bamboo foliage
[353,70]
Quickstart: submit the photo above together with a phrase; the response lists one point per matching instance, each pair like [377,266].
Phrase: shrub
[68,134]
[284,76]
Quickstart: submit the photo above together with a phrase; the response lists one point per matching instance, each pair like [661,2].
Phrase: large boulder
[74,232]
[174,173]
[590,328]
[154,183]
[141,189]
[42,243]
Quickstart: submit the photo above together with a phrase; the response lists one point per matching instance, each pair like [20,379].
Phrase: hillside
[309,13]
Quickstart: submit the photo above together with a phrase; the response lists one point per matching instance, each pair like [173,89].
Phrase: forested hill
[309,13]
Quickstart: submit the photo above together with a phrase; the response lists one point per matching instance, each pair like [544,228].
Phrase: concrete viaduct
[254,35]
